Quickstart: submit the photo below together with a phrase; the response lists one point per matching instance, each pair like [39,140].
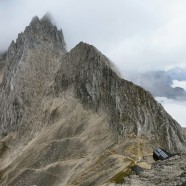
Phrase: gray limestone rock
[3,59]
[163,173]
[32,62]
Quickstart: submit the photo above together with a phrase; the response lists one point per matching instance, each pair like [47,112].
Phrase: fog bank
[177,109]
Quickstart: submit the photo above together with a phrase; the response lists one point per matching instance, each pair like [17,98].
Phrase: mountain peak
[48,18]
[44,33]
[40,33]
[35,19]
[86,48]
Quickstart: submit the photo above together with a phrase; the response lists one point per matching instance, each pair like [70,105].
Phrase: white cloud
[177,109]
[146,34]
[181,84]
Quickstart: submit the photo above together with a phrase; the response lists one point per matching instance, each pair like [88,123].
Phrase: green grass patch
[120,176]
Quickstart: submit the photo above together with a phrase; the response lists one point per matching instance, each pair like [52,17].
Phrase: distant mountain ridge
[159,83]
[67,118]
[177,74]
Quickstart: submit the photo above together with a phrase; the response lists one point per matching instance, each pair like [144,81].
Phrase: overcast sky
[134,34]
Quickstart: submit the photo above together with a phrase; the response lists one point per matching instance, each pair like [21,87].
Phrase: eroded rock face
[32,62]
[3,58]
[184,130]
[72,119]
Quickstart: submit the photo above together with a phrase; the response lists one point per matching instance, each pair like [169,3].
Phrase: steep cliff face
[67,118]
[3,58]
[32,62]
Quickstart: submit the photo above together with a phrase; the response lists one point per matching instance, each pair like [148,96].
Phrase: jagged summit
[47,18]
[85,48]
[41,33]
[35,19]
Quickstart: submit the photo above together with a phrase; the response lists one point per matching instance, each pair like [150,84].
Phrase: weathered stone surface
[74,121]
[3,58]
[31,64]
[184,130]
[163,173]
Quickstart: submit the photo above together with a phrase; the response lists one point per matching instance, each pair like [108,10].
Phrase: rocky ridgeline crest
[40,33]
[67,118]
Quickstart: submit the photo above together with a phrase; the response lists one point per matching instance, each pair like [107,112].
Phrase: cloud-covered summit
[134,34]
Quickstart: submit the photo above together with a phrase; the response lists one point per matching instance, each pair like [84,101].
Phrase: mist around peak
[135,35]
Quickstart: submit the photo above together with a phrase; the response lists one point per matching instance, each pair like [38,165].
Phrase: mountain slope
[68,119]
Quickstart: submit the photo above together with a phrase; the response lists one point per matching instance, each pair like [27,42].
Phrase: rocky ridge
[26,78]
[67,118]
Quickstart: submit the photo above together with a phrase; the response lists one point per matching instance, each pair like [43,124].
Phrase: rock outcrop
[163,173]
[184,130]
[3,58]
[31,65]
[67,118]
